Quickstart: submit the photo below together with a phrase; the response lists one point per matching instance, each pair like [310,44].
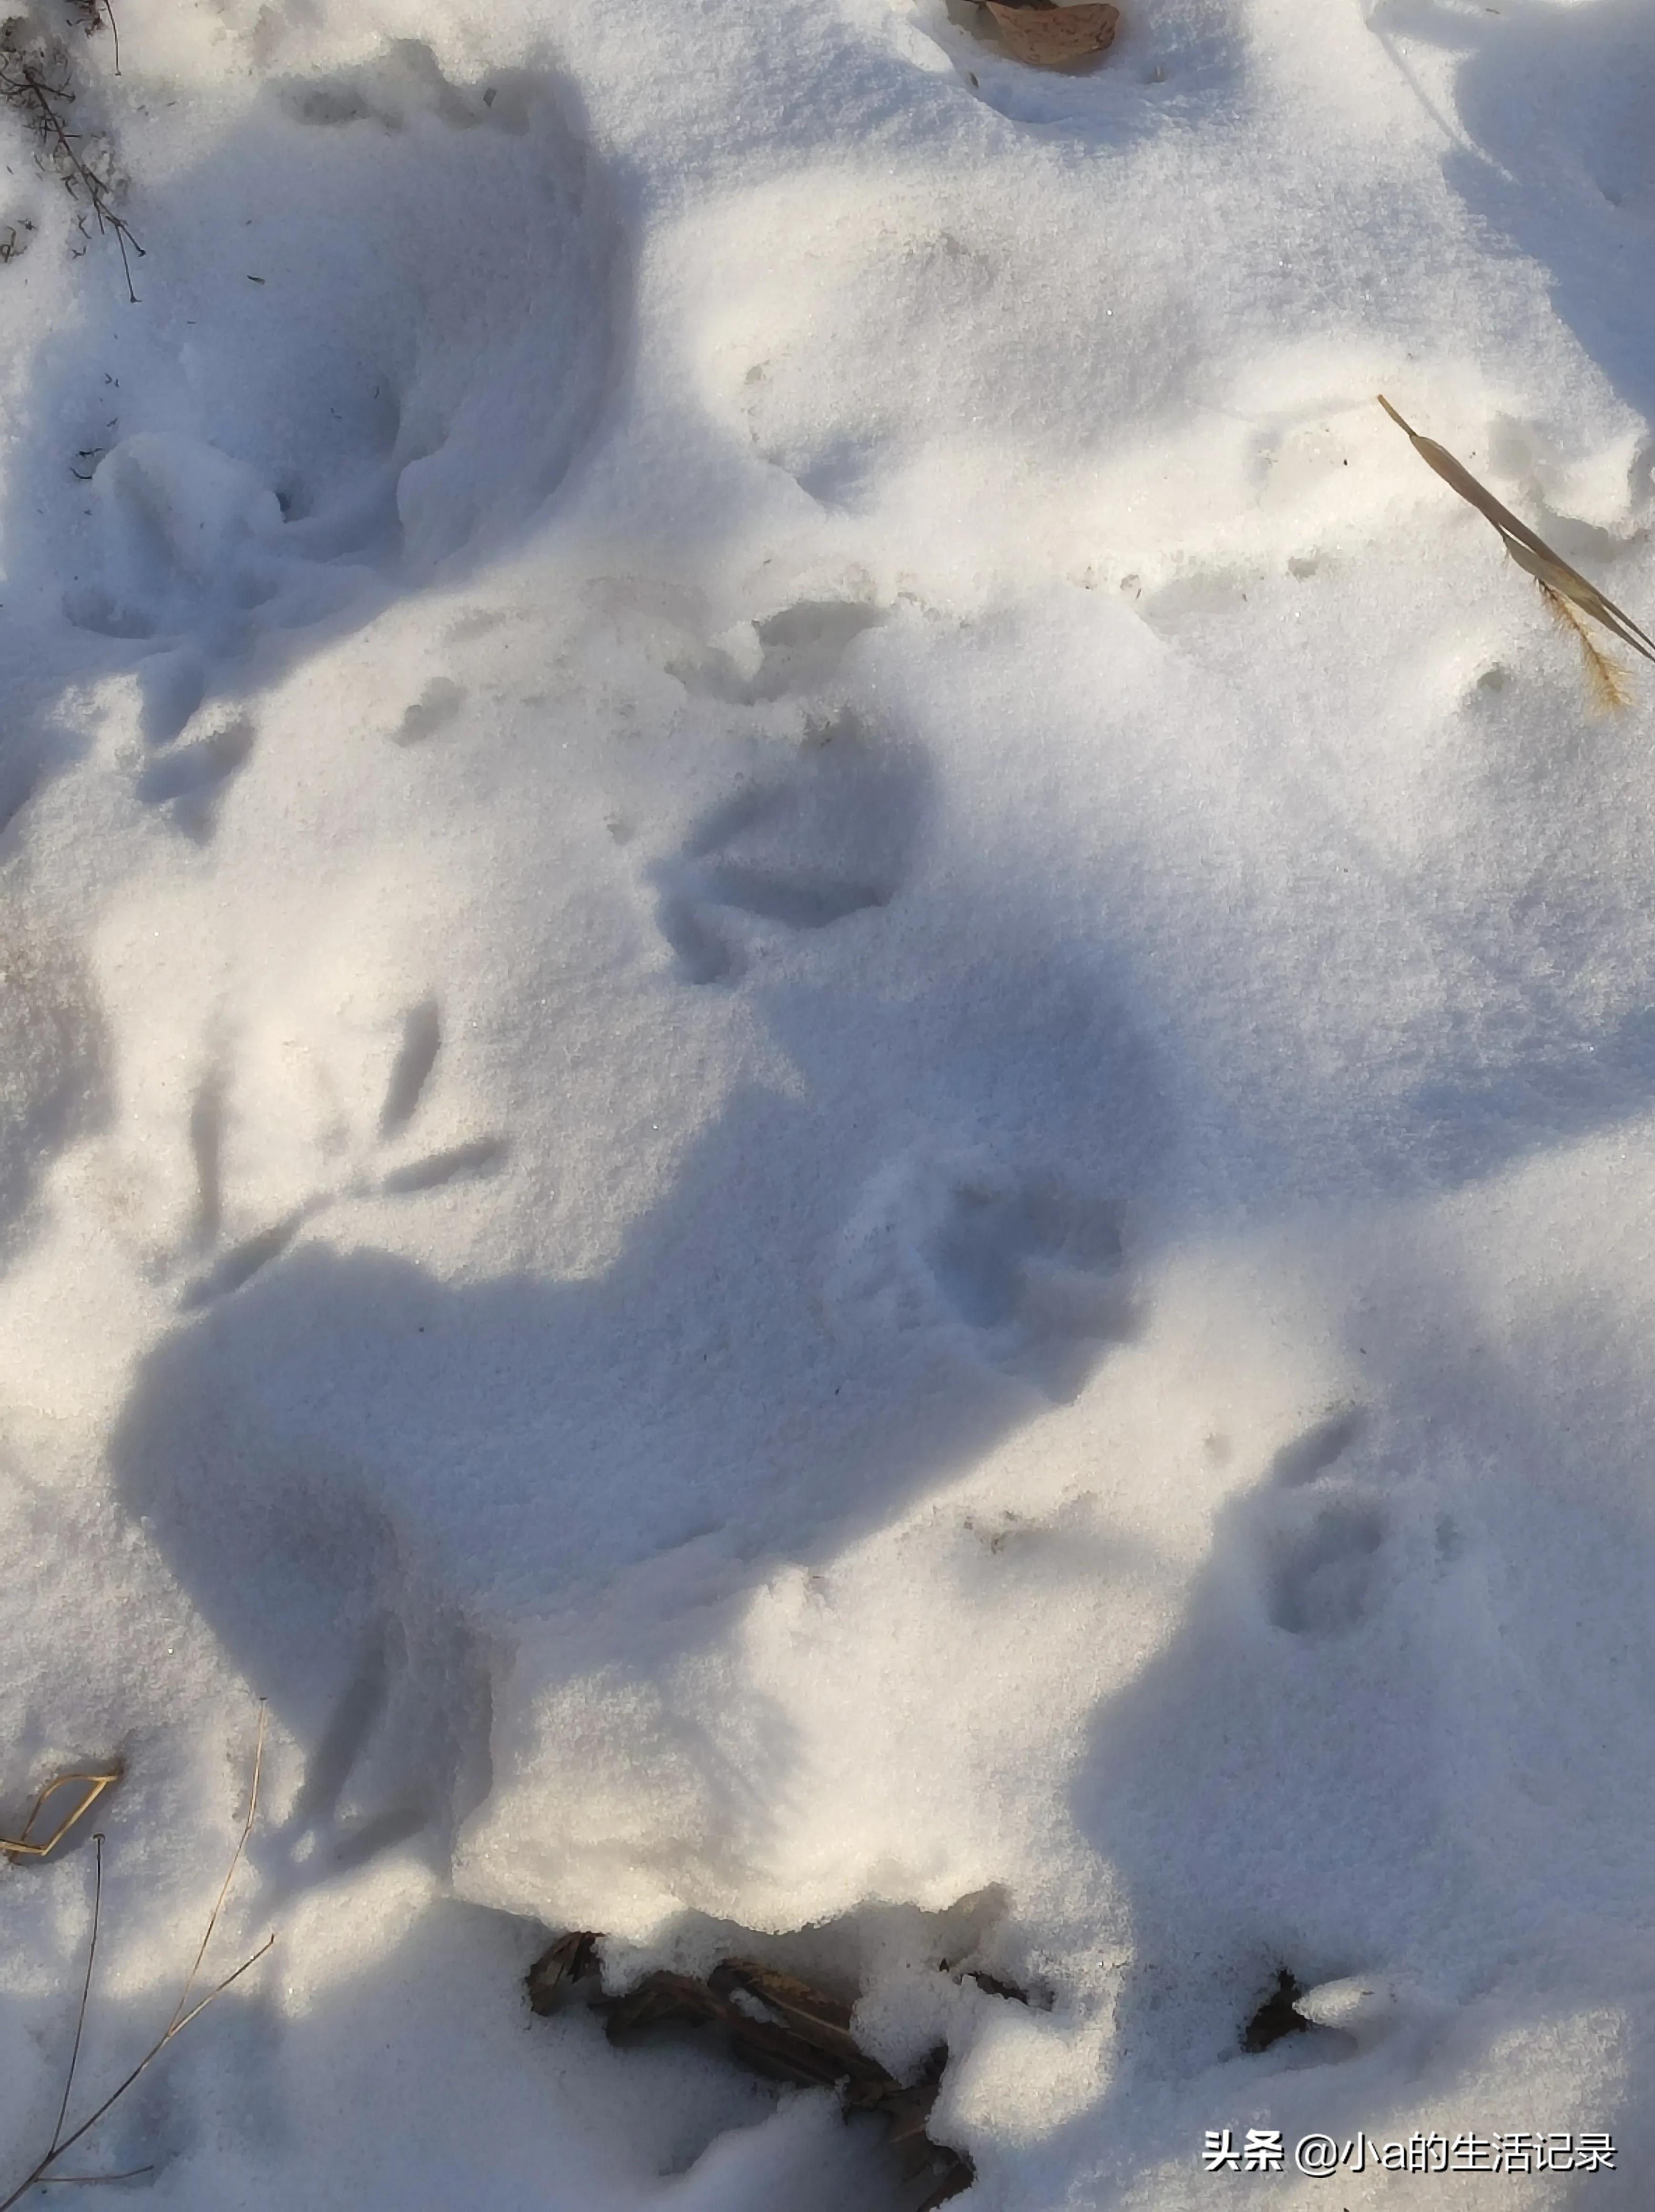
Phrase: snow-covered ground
[827,1090]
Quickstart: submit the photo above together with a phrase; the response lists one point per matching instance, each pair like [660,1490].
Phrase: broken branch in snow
[93,15]
[778,2028]
[34,79]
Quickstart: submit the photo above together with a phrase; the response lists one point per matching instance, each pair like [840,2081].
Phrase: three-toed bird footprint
[796,851]
[368,1174]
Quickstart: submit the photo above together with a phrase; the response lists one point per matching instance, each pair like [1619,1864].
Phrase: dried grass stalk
[1564,589]
[1606,680]
[30,1846]
[188,2006]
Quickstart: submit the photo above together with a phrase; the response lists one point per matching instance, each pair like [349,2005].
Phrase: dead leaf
[1049,36]
[781,2028]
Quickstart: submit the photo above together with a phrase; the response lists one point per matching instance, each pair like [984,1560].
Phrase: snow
[827,1090]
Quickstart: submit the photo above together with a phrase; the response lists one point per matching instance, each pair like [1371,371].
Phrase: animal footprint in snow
[192,543]
[188,782]
[1322,1574]
[793,653]
[1016,1271]
[433,711]
[1321,1547]
[410,1074]
[325,1823]
[433,410]
[401,1748]
[1313,1454]
[244,1260]
[411,1070]
[798,852]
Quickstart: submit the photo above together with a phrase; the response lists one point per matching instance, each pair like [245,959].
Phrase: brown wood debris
[776,2026]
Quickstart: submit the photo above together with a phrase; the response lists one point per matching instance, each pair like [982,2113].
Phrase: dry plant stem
[121,2088]
[1549,570]
[26,87]
[180,2015]
[97,14]
[183,2013]
[1605,680]
[90,2180]
[95,1785]
[86,1992]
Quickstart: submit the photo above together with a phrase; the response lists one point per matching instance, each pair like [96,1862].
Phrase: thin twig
[180,2015]
[176,2028]
[90,2180]
[121,2088]
[24,85]
[94,13]
[86,1991]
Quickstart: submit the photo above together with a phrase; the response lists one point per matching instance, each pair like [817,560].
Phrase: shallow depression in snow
[826,1091]
[256,466]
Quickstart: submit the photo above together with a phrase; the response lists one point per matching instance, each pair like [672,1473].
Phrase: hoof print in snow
[778,2027]
[1019,1272]
[792,856]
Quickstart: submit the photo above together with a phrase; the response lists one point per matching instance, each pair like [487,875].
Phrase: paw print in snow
[1016,1271]
[187,782]
[1321,1538]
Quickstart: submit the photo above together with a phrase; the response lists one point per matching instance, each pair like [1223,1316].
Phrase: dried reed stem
[1563,588]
